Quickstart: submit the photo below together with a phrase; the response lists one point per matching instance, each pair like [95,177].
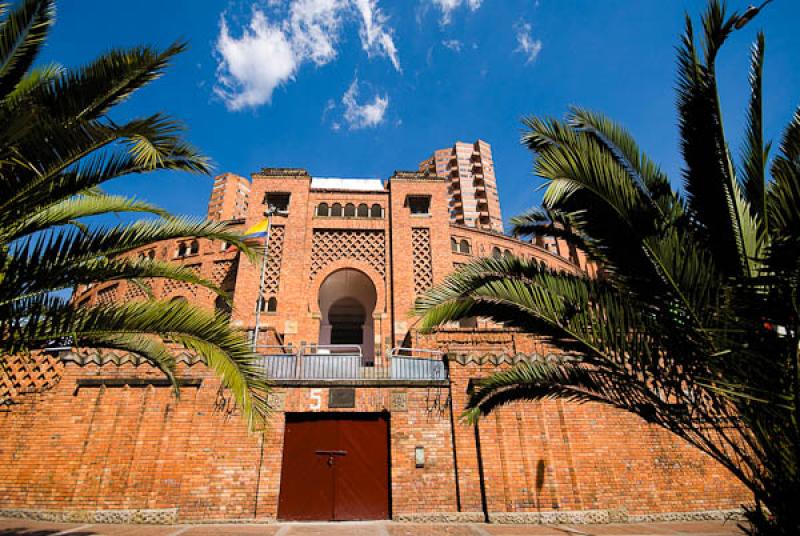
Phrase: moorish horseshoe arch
[366,287]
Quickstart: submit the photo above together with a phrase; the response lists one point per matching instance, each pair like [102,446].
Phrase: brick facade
[99,437]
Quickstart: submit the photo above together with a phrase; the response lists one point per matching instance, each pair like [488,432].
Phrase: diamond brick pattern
[108,295]
[332,245]
[21,375]
[422,259]
[133,292]
[272,278]
[171,285]
[223,274]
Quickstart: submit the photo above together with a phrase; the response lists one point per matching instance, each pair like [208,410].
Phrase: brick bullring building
[365,409]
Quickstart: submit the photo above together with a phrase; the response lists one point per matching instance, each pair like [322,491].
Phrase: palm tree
[695,324]
[58,145]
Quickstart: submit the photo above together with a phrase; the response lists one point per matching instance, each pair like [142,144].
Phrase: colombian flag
[258,230]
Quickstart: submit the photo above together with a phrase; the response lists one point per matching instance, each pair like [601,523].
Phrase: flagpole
[260,298]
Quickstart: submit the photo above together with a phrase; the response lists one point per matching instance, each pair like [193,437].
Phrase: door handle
[330,454]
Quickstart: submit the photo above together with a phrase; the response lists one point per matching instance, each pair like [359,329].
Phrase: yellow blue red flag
[258,230]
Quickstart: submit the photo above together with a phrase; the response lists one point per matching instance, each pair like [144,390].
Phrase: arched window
[507,253]
[151,254]
[465,247]
[194,248]
[336,210]
[363,211]
[322,209]
[376,211]
[496,253]
[349,210]
[272,304]
[453,244]
[181,249]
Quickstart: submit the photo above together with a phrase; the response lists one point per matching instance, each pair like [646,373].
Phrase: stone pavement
[21,527]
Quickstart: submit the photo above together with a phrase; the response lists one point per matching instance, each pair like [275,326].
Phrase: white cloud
[527,44]
[448,6]
[269,54]
[252,66]
[365,115]
[452,44]
[375,38]
[314,28]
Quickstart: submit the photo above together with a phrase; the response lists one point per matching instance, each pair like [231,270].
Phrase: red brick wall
[555,455]
[108,448]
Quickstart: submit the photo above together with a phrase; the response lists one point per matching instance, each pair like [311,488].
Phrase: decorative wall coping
[282,172]
[93,356]
[502,358]
[414,176]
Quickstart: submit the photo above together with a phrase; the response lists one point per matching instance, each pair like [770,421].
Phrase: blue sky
[359,88]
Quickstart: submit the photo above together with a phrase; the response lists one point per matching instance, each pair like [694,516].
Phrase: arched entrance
[347,300]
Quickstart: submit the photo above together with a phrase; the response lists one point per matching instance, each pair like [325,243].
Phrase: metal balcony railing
[347,363]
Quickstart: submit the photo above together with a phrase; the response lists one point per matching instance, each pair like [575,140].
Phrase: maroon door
[335,467]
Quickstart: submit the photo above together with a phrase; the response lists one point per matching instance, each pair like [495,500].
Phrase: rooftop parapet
[282,172]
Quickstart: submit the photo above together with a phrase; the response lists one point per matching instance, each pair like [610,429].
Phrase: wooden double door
[335,467]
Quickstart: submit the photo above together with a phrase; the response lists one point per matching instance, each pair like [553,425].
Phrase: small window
[362,211]
[496,253]
[349,210]
[465,247]
[323,210]
[194,247]
[221,305]
[507,253]
[419,204]
[277,201]
[179,299]
[376,211]
[181,250]
[151,254]
[453,244]
[267,306]
[336,210]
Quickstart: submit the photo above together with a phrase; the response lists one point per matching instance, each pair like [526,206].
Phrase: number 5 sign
[316,399]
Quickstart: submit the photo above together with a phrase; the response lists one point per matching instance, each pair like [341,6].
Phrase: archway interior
[347,300]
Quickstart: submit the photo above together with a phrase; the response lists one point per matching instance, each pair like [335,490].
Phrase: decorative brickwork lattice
[223,274]
[332,245]
[133,292]
[22,375]
[108,295]
[272,278]
[171,285]
[422,259]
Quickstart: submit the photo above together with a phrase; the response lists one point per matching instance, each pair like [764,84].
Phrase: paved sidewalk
[19,527]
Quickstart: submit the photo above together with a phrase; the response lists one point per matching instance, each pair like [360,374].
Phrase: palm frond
[710,182]
[82,206]
[755,153]
[22,34]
